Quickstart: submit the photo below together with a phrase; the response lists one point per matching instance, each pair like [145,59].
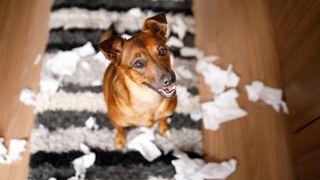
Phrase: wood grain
[306,146]
[24,33]
[240,32]
[297,37]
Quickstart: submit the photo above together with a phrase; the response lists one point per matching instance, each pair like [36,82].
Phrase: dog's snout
[168,78]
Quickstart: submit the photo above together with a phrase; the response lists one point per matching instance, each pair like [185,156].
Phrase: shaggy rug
[61,123]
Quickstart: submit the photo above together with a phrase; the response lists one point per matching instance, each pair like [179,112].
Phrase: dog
[139,84]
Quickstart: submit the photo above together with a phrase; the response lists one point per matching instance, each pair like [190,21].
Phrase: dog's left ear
[156,24]
[112,48]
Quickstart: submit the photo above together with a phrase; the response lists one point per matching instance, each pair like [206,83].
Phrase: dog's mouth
[167,92]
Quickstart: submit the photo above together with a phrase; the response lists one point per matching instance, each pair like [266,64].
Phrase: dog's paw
[119,143]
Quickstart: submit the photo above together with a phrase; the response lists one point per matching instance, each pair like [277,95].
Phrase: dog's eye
[163,52]
[139,63]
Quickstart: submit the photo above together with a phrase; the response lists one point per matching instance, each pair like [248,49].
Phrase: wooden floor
[239,33]
[23,34]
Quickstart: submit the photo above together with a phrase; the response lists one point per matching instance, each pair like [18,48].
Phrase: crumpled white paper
[197,169]
[174,42]
[143,143]
[28,97]
[179,27]
[183,72]
[91,123]
[15,151]
[64,63]
[190,52]
[216,78]
[222,109]
[85,50]
[188,103]
[271,96]
[82,163]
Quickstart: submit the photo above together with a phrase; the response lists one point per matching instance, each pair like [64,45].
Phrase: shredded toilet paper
[271,96]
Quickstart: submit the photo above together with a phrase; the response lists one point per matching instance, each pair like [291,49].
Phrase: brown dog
[139,84]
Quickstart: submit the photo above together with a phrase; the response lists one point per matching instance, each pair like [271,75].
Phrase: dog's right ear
[112,48]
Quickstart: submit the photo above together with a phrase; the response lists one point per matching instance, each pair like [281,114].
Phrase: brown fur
[130,102]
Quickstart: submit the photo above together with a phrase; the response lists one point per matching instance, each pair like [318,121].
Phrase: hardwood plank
[308,165]
[297,37]
[307,139]
[24,33]
[240,32]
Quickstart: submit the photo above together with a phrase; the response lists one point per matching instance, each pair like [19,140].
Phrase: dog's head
[145,58]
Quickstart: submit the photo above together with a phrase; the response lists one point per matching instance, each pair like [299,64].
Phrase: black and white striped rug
[60,124]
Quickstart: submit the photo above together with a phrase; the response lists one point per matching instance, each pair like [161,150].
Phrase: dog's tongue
[169,89]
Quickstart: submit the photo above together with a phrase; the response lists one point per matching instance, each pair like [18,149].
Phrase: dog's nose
[168,78]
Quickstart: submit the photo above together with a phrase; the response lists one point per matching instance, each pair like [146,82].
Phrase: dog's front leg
[163,126]
[120,137]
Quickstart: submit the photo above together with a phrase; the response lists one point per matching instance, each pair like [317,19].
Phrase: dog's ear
[112,48]
[156,24]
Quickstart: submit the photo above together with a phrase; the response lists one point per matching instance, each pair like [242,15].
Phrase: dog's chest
[145,100]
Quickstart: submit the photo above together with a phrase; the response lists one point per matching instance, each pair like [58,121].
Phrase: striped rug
[60,124]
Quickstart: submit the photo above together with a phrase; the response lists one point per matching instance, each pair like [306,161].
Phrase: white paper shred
[182,72]
[91,123]
[85,50]
[271,96]
[224,108]
[15,151]
[188,103]
[126,36]
[216,78]
[190,51]
[174,42]
[49,86]
[179,27]
[37,59]
[28,97]
[143,143]
[196,169]
[208,58]
[101,58]
[82,163]
[63,63]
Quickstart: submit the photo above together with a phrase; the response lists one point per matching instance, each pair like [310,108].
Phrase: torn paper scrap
[174,42]
[208,58]
[82,163]
[271,96]
[143,143]
[37,59]
[49,86]
[196,169]
[188,103]
[126,36]
[218,170]
[63,63]
[183,72]
[15,151]
[179,27]
[85,50]
[216,78]
[91,123]
[224,108]
[28,97]
[191,52]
